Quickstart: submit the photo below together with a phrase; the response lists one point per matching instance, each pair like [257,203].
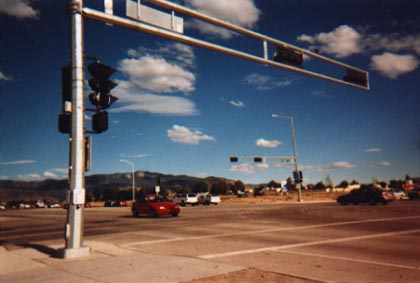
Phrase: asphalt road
[316,241]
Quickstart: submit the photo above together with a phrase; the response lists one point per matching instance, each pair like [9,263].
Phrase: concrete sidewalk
[106,263]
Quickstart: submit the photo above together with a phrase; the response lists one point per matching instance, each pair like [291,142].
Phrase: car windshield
[154,198]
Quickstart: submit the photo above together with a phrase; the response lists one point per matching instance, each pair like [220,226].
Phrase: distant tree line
[220,187]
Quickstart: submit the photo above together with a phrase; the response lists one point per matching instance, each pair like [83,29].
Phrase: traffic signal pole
[292,126]
[74,225]
[299,184]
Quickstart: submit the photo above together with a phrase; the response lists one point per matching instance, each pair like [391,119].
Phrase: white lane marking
[300,245]
[263,231]
[354,260]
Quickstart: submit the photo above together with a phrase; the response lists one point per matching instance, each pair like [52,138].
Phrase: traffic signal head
[258,159]
[233,159]
[64,123]
[102,71]
[356,77]
[102,101]
[298,176]
[100,121]
[101,85]
[66,84]
[289,56]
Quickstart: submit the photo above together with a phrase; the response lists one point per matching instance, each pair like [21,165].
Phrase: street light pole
[298,185]
[132,169]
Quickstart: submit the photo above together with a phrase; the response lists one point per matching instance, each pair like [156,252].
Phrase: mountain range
[57,189]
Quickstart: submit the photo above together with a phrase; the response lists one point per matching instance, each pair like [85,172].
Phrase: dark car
[115,203]
[366,194]
[414,194]
[154,206]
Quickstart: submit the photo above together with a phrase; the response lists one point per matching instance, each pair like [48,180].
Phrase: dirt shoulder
[292,197]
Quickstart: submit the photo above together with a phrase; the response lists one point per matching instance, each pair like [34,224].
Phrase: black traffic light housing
[298,176]
[258,159]
[233,159]
[64,123]
[356,77]
[101,85]
[66,83]
[289,56]
[100,121]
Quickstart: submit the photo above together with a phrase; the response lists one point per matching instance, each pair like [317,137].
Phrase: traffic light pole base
[74,253]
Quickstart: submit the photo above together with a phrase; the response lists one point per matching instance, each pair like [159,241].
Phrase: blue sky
[185,110]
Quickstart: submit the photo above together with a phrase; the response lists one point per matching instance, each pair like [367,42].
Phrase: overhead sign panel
[154,17]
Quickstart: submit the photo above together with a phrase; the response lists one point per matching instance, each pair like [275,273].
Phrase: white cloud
[134,156]
[20,9]
[342,42]
[345,41]
[341,165]
[261,82]
[373,149]
[136,101]
[244,168]
[29,177]
[383,164]
[263,166]
[316,168]
[392,42]
[3,77]
[184,135]
[150,76]
[18,162]
[306,38]
[238,103]
[60,170]
[267,143]
[176,53]
[239,12]
[132,52]
[157,75]
[50,175]
[392,65]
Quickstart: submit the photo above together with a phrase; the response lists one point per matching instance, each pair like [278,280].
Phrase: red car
[154,206]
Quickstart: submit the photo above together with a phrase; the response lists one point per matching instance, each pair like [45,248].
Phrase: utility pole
[74,225]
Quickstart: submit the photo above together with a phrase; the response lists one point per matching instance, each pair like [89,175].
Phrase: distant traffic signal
[101,85]
[298,176]
[289,56]
[258,159]
[233,159]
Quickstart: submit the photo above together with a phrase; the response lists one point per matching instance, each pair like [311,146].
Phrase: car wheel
[174,214]
[134,213]
[182,203]
[152,213]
